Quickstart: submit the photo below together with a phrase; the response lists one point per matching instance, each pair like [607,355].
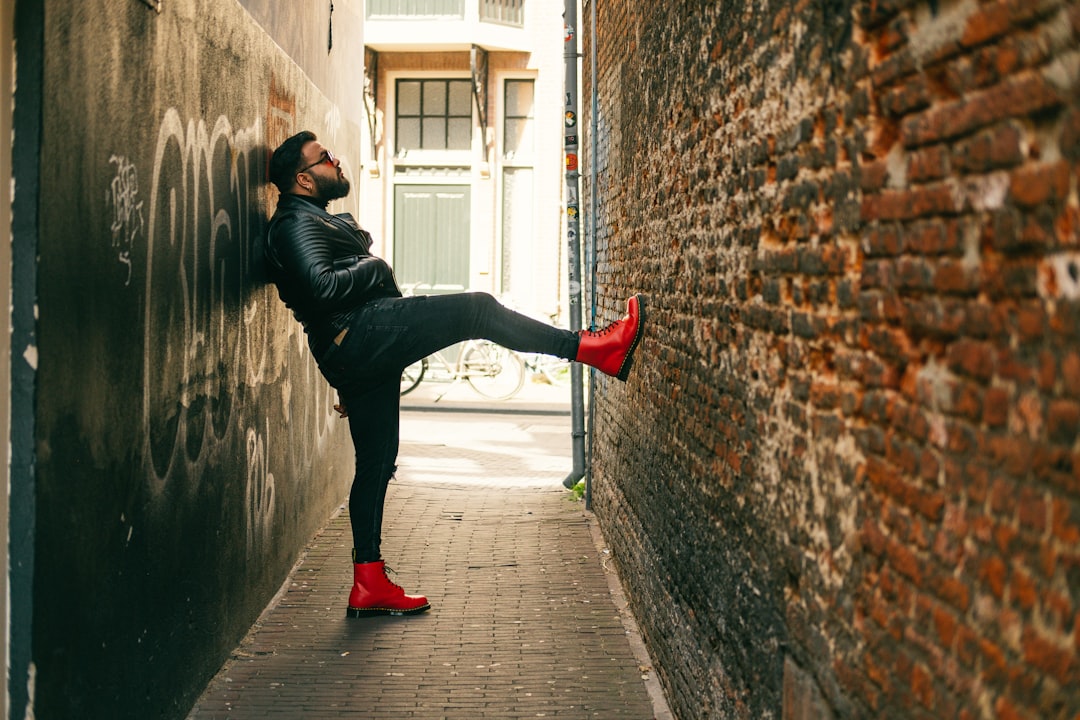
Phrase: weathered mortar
[844,477]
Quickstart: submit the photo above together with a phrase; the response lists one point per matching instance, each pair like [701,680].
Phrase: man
[363,333]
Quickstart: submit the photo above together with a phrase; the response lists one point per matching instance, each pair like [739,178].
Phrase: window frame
[527,157]
[424,118]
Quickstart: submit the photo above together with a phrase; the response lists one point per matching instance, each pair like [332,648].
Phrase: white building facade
[462,178]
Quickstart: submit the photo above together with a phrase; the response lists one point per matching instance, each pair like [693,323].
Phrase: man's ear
[304,180]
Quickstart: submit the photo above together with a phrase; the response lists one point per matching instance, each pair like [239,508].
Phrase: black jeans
[386,336]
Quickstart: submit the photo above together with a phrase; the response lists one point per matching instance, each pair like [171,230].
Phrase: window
[518,119]
[506,12]
[397,9]
[434,115]
[518,187]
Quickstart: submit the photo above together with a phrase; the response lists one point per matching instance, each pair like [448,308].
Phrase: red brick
[991,149]
[890,343]
[989,22]
[960,438]
[976,482]
[1033,185]
[1048,562]
[1047,373]
[950,589]
[967,400]
[1065,521]
[992,572]
[940,317]
[929,466]
[953,276]
[1006,710]
[1048,657]
[995,407]
[1070,135]
[1022,589]
[1063,421]
[995,666]
[1031,509]
[912,95]
[882,241]
[1004,537]
[972,358]
[904,561]
[1036,235]
[1030,322]
[1010,453]
[953,521]
[930,163]
[910,204]
[872,538]
[872,175]
[967,646]
[877,274]
[1016,97]
[1059,608]
[945,623]
[922,685]
[879,675]
[933,237]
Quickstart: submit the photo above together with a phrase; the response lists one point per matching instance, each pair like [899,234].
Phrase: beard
[329,189]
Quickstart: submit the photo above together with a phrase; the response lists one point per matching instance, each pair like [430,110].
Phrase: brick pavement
[523,621]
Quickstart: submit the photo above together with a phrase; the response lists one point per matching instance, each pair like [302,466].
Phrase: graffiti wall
[186,445]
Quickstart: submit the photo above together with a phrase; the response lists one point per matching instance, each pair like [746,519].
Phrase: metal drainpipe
[573,240]
[590,235]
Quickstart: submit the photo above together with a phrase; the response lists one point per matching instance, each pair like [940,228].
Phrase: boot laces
[601,332]
[387,571]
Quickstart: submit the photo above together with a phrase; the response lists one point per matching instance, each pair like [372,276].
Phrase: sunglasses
[326,157]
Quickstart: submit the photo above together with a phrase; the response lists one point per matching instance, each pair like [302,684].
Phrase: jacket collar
[288,201]
[345,221]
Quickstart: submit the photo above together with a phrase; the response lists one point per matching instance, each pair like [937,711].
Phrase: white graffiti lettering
[259,492]
[197,266]
[127,215]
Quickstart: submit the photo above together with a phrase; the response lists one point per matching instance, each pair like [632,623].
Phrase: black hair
[286,160]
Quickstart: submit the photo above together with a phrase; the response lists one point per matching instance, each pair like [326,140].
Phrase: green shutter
[431,237]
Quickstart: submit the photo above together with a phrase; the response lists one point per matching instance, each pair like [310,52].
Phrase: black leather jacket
[323,267]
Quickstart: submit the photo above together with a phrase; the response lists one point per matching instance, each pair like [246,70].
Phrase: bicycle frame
[489,369]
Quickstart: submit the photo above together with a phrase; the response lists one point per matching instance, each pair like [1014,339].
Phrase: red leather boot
[374,594]
[611,350]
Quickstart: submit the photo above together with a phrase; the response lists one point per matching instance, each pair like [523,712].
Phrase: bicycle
[489,369]
[548,369]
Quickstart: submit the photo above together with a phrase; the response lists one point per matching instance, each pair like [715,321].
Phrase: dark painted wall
[186,448]
[305,29]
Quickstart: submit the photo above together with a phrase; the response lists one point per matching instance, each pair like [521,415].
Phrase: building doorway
[431,237]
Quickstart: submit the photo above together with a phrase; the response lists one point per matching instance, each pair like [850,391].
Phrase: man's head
[301,165]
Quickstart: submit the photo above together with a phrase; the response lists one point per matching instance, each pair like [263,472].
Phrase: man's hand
[343,412]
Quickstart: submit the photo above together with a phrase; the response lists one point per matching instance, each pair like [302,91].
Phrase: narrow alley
[524,620]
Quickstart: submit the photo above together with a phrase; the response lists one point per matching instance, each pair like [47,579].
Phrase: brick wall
[844,478]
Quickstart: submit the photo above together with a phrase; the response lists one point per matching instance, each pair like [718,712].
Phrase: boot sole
[624,370]
[375,611]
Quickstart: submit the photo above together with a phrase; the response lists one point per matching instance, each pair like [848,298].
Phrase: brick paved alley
[523,620]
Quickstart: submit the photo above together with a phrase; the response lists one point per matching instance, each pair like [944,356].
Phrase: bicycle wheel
[493,371]
[412,375]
